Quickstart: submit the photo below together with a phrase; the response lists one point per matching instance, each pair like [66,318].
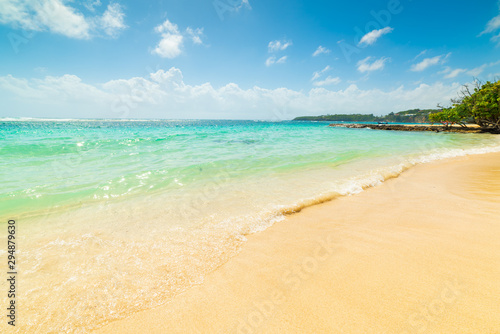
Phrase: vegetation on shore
[478,103]
[481,106]
[407,116]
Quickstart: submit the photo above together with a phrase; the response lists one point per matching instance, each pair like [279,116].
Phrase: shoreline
[471,128]
[416,254]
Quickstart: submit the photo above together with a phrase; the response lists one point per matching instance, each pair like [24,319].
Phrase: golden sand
[418,254]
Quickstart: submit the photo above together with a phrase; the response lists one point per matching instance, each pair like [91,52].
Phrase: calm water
[119,216]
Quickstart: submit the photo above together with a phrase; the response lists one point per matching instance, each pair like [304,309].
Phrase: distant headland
[407,116]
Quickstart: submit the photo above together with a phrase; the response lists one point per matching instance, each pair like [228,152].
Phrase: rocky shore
[415,127]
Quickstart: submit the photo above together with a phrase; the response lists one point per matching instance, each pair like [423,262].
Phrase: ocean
[118,216]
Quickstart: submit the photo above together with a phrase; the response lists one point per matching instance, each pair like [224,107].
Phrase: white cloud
[167,27]
[17,14]
[273,60]
[244,3]
[221,7]
[496,39]
[195,34]
[450,73]
[112,21]
[65,88]
[320,50]
[169,46]
[164,94]
[282,60]
[364,65]
[318,74]
[172,40]
[492,25]
[92,4]
[420,54]
[60,17]
[475,72]
[371,37]
[275,46]
[427,62]
[328,81]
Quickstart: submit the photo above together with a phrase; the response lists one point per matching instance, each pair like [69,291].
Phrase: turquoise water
[52,164]
[116,217]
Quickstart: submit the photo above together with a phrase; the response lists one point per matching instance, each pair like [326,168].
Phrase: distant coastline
[408,120]
[407,116]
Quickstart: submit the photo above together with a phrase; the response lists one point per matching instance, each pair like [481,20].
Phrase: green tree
[484,104]
[480,106]
[448,117]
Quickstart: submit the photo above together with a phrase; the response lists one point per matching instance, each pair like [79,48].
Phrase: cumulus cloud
[165,94]
[371,37]
[172,40]
[113,20]
[365,65]
[273,60]
[59,17]
[320,50]
[427,62]
[275,46]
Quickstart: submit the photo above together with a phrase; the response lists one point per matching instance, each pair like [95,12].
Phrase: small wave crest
[357,184]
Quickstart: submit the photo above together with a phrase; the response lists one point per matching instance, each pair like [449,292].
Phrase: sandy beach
[418,254]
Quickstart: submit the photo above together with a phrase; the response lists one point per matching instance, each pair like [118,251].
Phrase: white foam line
[358,184]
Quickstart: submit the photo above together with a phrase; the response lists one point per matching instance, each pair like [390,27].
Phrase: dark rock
[399,127]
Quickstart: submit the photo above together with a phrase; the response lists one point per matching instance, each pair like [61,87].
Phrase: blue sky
[239,59]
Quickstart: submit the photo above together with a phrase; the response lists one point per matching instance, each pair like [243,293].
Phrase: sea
[119,216]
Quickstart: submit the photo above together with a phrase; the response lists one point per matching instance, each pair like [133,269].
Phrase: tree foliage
[450,116]
[480,105]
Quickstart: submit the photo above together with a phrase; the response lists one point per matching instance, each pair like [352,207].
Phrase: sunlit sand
[419,253]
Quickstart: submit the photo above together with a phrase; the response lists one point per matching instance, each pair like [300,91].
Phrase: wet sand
[418,254]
